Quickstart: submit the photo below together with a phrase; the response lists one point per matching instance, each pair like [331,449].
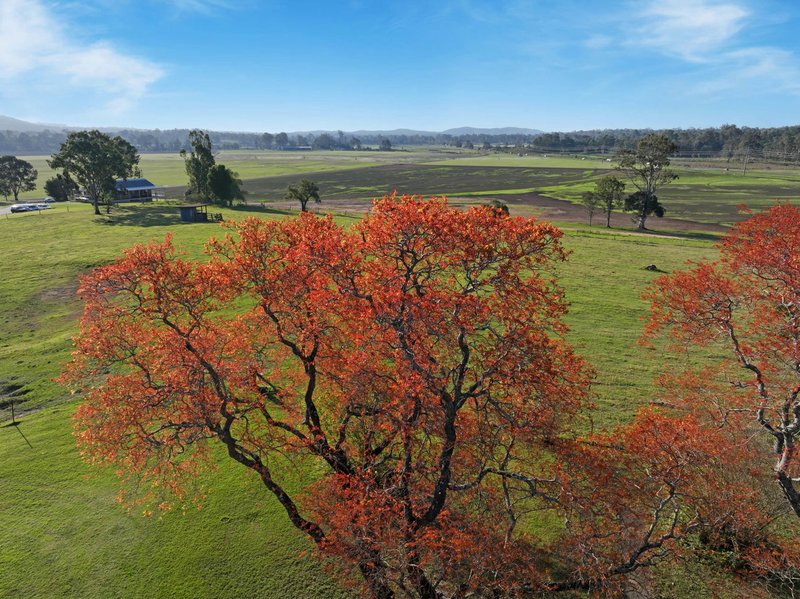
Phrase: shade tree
[591,203]
[304,191]
[608,192]
[95,161]
[224,185]
[646,169]
[643,204]
[199,162]
[60,188]
[16,176]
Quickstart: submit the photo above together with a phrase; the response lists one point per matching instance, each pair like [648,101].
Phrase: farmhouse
[135,190]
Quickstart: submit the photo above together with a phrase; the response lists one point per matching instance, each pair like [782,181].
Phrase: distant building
[136,190]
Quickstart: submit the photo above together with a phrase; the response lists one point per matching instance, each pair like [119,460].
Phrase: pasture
[168,169]
[706,191]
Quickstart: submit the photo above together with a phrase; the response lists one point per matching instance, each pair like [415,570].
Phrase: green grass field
[61,517]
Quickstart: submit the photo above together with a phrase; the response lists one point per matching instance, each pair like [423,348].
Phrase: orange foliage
[748,303]
[419,358]
[745,306]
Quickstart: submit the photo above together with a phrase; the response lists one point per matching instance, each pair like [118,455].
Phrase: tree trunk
[608,219]
[373,573]
[422,585]
[96,203]
[789,492]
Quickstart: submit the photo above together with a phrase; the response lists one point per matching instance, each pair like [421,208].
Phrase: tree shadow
[695,235]
[145,215]
[161,215]
[16,425]
[261,208]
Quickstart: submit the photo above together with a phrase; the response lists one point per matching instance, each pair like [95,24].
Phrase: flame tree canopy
[747,303]
[418,358]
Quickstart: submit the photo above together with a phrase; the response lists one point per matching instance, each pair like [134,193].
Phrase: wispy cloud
[710,35]
[36,46]
[760,68]
[691,29]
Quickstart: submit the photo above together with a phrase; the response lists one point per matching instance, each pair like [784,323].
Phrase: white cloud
[691,29]
[707,34]
[760,68]
[35,45]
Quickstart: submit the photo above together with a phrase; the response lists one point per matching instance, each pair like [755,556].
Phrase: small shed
[194,213]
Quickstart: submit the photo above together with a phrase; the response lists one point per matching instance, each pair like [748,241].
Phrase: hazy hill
[491,131]
[8,123]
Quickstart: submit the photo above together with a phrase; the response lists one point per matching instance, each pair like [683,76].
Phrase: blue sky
[283,65]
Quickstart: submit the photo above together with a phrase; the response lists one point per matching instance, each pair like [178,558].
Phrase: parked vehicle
[29,207]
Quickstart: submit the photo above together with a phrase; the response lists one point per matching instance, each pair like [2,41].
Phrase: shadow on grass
[141,216]
[160,215]
[696,235]
[16,425]
[260,209]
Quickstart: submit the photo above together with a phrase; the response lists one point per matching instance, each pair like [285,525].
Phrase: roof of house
[133,184]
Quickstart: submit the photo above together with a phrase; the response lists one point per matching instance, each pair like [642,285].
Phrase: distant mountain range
[8,123]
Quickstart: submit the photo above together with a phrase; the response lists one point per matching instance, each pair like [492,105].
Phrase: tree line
[774,144]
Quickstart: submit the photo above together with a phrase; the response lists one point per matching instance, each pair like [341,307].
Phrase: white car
[29,207]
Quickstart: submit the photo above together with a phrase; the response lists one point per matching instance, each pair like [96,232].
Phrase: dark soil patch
[350,191]
[10,393]
[562,210]
[377,181]
[526,204]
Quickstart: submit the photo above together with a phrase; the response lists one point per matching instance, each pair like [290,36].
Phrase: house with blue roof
[135,190]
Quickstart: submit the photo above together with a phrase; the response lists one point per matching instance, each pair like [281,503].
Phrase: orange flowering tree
[417,363]
[746,306]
